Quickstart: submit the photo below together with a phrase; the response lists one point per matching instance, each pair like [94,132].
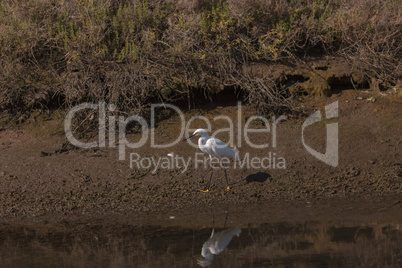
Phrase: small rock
[359,98]
[42,154]
[11,178]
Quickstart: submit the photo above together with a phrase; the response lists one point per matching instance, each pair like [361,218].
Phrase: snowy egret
[216,244]
[214,148]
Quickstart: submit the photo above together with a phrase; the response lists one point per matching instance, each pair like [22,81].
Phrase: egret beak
[190,136]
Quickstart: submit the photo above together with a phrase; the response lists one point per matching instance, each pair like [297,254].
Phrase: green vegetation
[58,53]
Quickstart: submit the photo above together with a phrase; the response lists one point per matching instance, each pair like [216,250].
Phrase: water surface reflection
[283,244]
[216,244]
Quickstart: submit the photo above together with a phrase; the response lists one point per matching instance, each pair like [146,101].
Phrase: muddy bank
[85,207]
[37,180]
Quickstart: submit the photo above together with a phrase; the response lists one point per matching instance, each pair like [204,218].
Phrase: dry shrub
[268,99]
[371,31]
[192,5]
[129,53]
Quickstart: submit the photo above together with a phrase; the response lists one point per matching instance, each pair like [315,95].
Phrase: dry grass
[57,53]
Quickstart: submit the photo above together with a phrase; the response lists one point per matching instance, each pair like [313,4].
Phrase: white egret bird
[216,244]
[214,148]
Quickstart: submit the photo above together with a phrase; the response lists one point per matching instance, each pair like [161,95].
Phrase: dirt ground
[37,183]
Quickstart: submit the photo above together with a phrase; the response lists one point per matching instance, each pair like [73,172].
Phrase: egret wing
[219,148]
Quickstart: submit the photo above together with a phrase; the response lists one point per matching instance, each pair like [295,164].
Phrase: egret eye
[196,133]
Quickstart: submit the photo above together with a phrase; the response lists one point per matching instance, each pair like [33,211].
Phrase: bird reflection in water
[216,244]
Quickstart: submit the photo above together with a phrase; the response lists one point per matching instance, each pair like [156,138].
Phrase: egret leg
[213,221]
[226,219]
[226,177]
[210,178]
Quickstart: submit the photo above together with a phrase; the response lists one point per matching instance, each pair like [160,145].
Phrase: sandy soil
[39,183]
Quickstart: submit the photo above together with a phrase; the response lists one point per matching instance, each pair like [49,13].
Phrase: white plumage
[216,244]
[214,148]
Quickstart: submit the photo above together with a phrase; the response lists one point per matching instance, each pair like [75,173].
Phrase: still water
[273,244]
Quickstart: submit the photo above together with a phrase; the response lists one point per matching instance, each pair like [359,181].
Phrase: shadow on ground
[258,177]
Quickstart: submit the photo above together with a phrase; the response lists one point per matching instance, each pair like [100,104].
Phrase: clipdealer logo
[330,156]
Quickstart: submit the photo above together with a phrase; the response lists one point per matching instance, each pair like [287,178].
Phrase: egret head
[199,132]
[204,262]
